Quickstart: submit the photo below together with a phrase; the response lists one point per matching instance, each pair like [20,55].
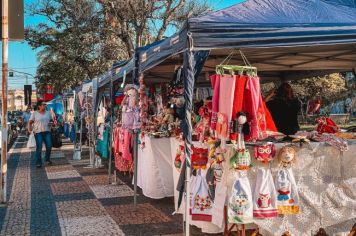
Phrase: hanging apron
[240,208]
[264,199]
[287,193]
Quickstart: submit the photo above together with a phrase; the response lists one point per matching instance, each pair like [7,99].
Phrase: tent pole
[135,132]
[189,70]
[111,128]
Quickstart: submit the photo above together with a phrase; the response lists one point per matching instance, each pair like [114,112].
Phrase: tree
[328,88]
[83,38]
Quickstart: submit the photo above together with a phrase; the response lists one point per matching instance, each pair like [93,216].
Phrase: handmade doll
[242,159]
[202,128]
[169,115]
[287,193]
[287,156]
[130,109]
[265,153]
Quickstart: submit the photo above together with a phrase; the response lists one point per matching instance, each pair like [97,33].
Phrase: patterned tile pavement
[68,198]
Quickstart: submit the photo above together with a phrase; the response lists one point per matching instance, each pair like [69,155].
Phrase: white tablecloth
[154,175]
[326,180]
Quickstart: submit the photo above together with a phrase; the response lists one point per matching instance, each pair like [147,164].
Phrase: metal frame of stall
[267,45]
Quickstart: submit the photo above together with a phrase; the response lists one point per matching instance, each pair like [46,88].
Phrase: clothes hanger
[247,68]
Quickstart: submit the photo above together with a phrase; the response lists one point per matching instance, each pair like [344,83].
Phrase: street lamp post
[5,42]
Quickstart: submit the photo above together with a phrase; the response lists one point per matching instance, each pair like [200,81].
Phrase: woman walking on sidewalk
[40,120]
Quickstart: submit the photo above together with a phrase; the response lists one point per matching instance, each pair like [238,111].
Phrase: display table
[154,168]
[326,180]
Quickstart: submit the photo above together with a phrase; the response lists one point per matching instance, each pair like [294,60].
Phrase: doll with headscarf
[130,108]
[287,193]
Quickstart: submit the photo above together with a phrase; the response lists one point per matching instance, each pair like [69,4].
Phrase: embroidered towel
[201,203]
[240,203]
[264,198]
[287,193]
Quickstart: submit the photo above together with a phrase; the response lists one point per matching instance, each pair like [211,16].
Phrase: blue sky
[23,58]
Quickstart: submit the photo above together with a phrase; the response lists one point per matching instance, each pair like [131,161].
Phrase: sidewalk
[68,198]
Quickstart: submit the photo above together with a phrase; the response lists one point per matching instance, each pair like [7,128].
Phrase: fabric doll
[240,206]
[264,198]
[242,159]
[130,109]
[287,194]
[265,153]
[286,156]
[240,125]
[288,198]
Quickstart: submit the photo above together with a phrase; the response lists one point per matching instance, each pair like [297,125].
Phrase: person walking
[26,116]
[40,120]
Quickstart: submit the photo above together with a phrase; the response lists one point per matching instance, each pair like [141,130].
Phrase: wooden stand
[228,230]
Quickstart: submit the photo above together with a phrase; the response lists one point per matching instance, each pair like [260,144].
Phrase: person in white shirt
[40,120]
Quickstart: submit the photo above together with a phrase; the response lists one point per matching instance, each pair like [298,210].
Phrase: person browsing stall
[40,120]
[284,107]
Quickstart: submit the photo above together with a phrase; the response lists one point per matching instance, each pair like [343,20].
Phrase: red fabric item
[253,106]
[119,99]
[326,125]
[199,157]
[239,93]
[271,126]
[215,84]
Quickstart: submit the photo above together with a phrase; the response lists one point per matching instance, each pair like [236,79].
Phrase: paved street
[69,199]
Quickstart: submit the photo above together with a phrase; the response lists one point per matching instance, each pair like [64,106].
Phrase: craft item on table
[240,208]
[178,160]
[168,116]
[346,135]
[203,126]
[287,193]
[264,198]
[199,157]
[130,108]
[331,139]
[215,84]
[241,160]
[326,125]
[287,155]
[222,125]
[264,153]
[201,203]
[253,106]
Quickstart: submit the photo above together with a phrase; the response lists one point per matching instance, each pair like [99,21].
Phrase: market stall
[272,41]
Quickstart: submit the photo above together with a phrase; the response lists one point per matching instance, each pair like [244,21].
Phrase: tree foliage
[328,88]
[81,39]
